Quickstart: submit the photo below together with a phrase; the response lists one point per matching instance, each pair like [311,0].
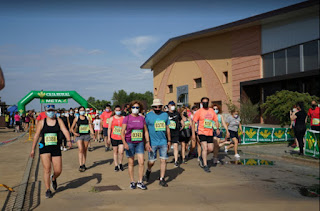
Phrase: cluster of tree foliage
[279,104]
[121,97]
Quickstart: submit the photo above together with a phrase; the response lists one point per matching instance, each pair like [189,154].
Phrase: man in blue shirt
[158,126]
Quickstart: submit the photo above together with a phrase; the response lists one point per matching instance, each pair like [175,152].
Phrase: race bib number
[160,125]
[136,135]
[83,128]
[186,124]
[208,123]
[214,125]
[50,139]
[107,121]
[315,121]
[117,130]
[173,125]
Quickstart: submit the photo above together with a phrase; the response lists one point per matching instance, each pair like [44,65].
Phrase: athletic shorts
[215,134]
[184,139]
[116,143]
[85,137]
[208,139]
[53,150]
[175,139]
[233,134]
[18,123]
[105,131]
[163,153]
[135,148]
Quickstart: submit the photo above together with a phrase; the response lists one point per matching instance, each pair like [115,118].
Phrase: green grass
[263,143]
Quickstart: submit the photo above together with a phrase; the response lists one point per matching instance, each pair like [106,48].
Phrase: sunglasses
[156,106]
[137,107]
[50,106]
[215,109]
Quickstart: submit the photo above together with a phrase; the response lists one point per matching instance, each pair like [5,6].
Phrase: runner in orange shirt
[105,116]
[205,117]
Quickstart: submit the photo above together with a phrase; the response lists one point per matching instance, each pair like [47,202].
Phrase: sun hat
[157,102]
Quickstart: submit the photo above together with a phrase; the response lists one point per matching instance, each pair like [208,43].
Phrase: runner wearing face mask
[195,143]
[49,147]
[160,139]
[114,137]
[176,125]
[186,133]
[76,113]
[134,133]
[71,118]
[105,116]
[82,128]
[233,126]
[205,117]
[217,138]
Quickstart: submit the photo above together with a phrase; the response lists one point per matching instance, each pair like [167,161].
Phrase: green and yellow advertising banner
[251,135]
[312,143]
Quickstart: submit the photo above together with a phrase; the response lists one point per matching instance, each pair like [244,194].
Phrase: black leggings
[299,133]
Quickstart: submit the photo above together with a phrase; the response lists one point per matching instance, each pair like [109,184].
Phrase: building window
[268,65]
[293,59]
[225,77]
[155,91]
[280,63]
[170,88]
[197,83]
[311,55]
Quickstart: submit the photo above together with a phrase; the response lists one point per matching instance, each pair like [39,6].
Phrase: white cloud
[72,51]
[139,44]
[96,51]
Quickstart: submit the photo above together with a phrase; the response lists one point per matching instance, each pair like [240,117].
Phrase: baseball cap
[171,103]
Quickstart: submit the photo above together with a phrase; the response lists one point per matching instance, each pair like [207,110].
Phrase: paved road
[228,187]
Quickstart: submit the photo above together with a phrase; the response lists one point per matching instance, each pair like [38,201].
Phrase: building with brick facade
[253,58]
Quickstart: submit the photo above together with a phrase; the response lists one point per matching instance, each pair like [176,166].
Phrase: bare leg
[57,166]
[130,168]
[46,163]
[120,153]
[150,164]
[141,166]
[86,144]
[175,151]
[204,146]
[216,147]
[81,151]
[199,146]
[183,150]
[163,166]
[115,156]
[235,140]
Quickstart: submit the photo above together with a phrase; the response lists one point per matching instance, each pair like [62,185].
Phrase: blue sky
[97,47]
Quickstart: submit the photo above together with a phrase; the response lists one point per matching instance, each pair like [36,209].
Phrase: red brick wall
[246,58]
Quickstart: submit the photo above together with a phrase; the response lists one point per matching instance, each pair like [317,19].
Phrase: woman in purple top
[134,133]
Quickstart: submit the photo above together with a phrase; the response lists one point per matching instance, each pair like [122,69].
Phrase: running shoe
[206,169]
[237,156]
[48,194]
[226,150]
[107,149]
[121,167]
[54,184]
[133,185]
[82,168]
[116,169]
[176,164]
[163,183]
[61,148]
[90,149]
[215,161]
[141,186]
[201,162]
[296,149]
[184,162]
[147,175]
[65,149]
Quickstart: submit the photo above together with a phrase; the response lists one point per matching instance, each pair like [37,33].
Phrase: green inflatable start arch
[50,95]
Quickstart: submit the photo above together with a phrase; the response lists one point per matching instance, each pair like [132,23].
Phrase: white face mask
[201,106]
[135,110]
[173,108]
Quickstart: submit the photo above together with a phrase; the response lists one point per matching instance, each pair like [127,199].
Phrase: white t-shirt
[96,124]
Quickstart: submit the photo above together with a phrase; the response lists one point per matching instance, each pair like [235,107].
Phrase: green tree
[97,104]
[279,104]
[120,97]
[248,111]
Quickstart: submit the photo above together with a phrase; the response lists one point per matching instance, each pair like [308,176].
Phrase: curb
[12,140]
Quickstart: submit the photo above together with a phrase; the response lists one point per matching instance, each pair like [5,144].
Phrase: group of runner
[130,131]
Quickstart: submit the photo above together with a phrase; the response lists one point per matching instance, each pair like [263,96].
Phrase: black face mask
[205,105]
[185,114]
[313,106]
[157,111]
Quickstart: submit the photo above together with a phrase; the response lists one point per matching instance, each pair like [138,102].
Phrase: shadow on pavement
[171,174]
[101,162]
[79,182]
